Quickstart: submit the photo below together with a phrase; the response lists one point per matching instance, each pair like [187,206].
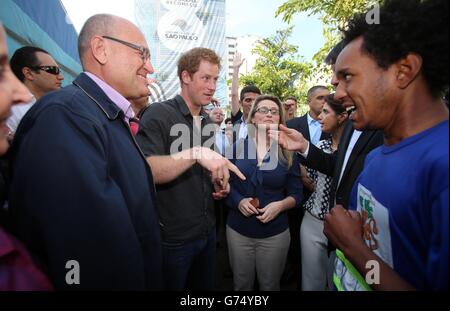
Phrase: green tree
[278,68]
[333,14]
[332,11]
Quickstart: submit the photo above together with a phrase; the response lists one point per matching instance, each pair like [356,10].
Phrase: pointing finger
[235,170]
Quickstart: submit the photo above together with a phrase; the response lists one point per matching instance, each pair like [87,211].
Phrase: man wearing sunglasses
[40,73]
[82,193]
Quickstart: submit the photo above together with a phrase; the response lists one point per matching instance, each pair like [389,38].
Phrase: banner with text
[173,27]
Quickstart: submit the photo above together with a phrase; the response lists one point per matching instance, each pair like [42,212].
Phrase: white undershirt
[355,136]
[17,113]
[243,129]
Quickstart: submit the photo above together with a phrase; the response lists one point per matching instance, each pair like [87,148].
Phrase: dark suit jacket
[86,193]
[301,124]
[331,164]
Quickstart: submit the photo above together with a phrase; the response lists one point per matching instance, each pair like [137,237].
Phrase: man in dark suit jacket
[310,128]
[308,124]
[346,163]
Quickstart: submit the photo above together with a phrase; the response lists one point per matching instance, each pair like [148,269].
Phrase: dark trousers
[190,265]
[221,211]
[292,271]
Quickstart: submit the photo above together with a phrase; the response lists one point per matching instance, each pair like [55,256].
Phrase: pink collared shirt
[114,96]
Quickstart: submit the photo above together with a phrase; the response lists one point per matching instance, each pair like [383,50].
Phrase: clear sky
[80,10]
[244,17]
[257,17]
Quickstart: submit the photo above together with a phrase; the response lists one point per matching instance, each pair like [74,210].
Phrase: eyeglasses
[265,110]
[145,52]
[54,70]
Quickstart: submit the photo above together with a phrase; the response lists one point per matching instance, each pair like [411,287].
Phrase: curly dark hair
[408,26]
[330,59]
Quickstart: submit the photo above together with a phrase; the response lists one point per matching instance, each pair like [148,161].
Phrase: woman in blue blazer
[257,225]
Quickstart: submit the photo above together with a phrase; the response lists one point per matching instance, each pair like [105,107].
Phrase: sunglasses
[54,70]
[145,52]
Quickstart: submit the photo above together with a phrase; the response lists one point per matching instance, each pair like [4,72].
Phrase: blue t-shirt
[402,195]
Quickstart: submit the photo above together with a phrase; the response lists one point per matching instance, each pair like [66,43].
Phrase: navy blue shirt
[402,195]
[272,181]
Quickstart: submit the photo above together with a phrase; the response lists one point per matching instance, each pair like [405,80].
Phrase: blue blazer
[271,182]
[81,190]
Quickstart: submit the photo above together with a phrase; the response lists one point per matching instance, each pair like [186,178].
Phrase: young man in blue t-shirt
[391,77]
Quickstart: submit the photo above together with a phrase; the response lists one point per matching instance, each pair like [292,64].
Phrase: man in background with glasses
[40,73]
[82,193]
[290,107]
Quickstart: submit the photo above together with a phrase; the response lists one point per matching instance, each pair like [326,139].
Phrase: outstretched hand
[289,139]
[219,167]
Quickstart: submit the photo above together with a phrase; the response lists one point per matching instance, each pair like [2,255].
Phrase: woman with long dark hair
[313,242]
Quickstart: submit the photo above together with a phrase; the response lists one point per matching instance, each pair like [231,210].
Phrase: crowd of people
[351,196]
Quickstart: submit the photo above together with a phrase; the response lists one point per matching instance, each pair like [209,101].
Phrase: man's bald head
[100,25]
[216,115]
[115,50]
